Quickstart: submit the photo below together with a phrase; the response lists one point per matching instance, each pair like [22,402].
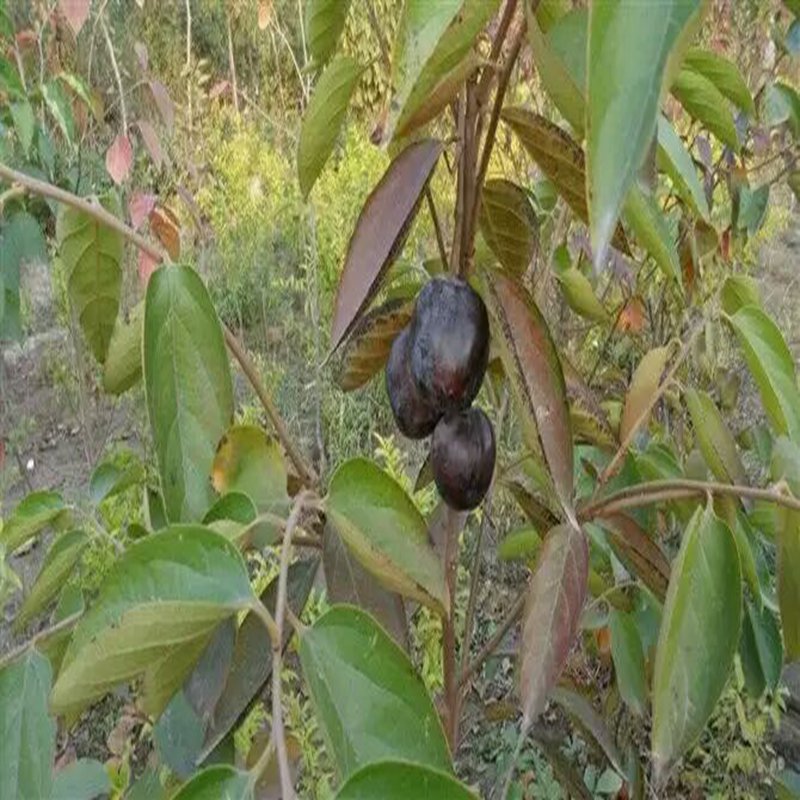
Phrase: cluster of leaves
[177,613]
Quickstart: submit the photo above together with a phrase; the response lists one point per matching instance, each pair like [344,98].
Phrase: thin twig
[644,494]
[232,62]
[436,226]
[485,83]
[469,158]
[117,76]
[287,790]
[499,635]
[64,624]
[188,5]
[452,530]
[455,249]
[11,194]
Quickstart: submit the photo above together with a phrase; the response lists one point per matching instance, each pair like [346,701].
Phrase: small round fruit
[462,458]
[415,416]
[449,343]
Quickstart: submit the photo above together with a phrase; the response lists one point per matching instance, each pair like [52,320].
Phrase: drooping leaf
[151,142]
[28,743]
[188,385]
[738,291]
[367,349]
[56,568]
[324,21]
[531,363]
[590,421]
[119,159]
[753,204]
[250,462]
[21,242]
[781,104]
[324,117]
[624,91]
[108,479]
[78,86]
[521,543]
[761,649]
[68,611]
[9,78]
[251,666]
[345,655]
[75,12]
[59,107]
[552,616]
[123,365]
[560,158]
[92,256]
[772,365]
[705,103]
[509,224]
[698,638]
[638,552]
[163,102]
[166,227]
[83,779]
[217,782]
[644,383]
[628,656]
[386,533]
[580,296]
[348,582]
[723,74]
[24,124]
[432,50]
[165,592]
[715,440]
[381,231]
[400,780]
[32,515]
[674,159]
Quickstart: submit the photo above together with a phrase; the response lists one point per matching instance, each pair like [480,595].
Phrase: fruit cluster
[435,369]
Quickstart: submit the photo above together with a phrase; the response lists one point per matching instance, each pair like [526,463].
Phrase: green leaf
[68,611]
[24,123]
[123,365]
[738,291]
[580,296]
[715,440]
[386,533]
[628,656]
[84,779]
[58,565]
[781,104]
[509,224]
[251,666]
[323,118]
[548,12]
[165,593]
[560,58]
[552,615]
[381,230]
[250,462]
[59,107]
[325,21]
[188,385]
[698,637]
[560,158]
[624,91]
[433,43]
[348,582]
[9,79]
[537,382]
[346,655]
[32,515]
[21,241]
[761,649]
[28,741]
[108,480]
[83,92]
[674,159]
[705,103]
[723,74]
[215,783]
[772,366]
[521,543]
[399,780]
[92,255]
[753,205]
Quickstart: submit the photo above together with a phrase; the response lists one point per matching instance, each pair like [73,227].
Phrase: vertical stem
[452,528]
[455,249]
[117,76]
[189,60]
[232,62]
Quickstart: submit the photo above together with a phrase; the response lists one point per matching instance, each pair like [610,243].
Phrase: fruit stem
[454,522]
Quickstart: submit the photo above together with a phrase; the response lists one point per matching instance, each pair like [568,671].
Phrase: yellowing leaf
[644,383]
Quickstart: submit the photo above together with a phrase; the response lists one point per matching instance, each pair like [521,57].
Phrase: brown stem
[452,529]
[99,213]
[493,643]
[469,157]
[644,494]
[455,250]
[485,83]
[117,76]
[437,226]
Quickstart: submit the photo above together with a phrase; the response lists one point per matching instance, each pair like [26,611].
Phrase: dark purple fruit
[462,457]
[415,416]
[449,343]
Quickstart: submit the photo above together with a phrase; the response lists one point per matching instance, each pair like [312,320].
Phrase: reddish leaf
[140,48]
[264,14]
[218,89]
[167,228]
[2,453]
[119,159]
[164,103]
[631,318]
[147,266]
[552,615]
[151,142]
[537,380]
[139,207]
[75,12]
[381,231]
